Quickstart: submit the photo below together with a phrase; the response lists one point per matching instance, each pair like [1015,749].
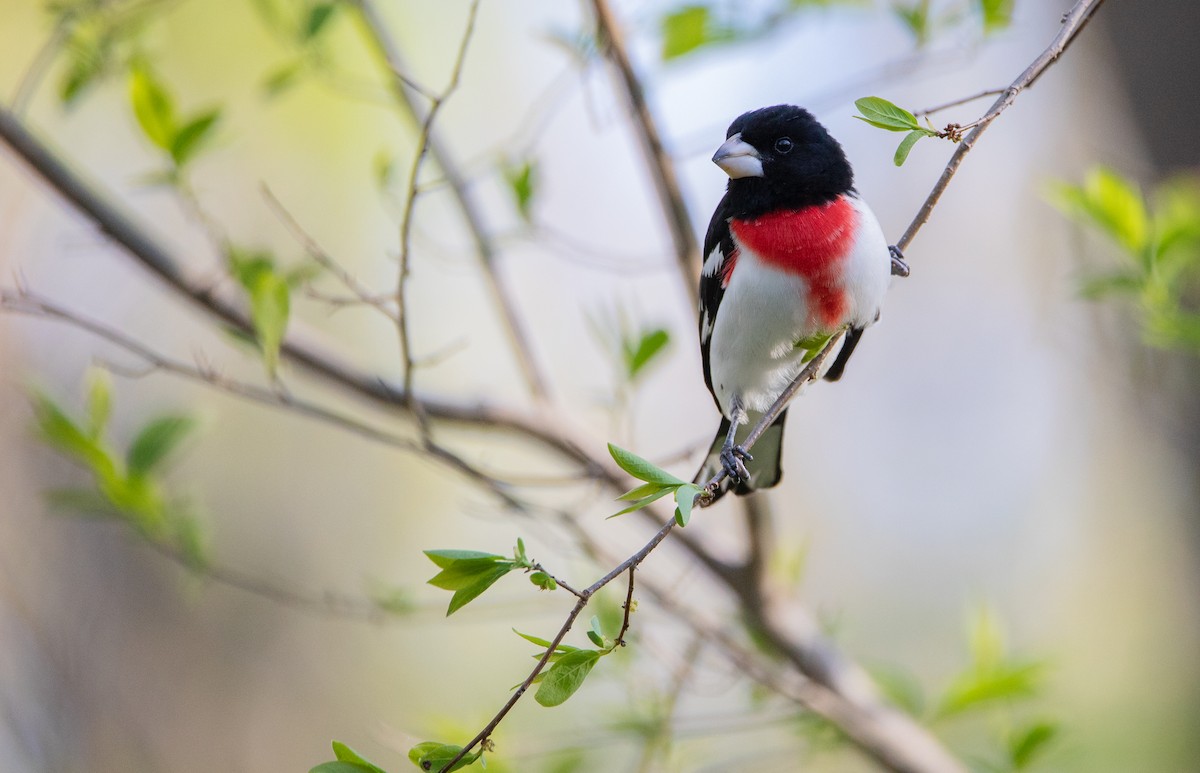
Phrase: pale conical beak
[738,159]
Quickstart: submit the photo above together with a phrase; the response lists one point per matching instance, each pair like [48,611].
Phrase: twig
[1073,21]
[959,101]
[403,90]
[628,565]
[318,253]
[666,180]
[327,604]
[628,607]
[25,302]
[410,204]
[537,567]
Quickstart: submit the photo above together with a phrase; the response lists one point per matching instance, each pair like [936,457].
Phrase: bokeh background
[998,440]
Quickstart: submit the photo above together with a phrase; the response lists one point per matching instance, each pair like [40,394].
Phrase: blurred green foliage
[126,486]
[1158,241]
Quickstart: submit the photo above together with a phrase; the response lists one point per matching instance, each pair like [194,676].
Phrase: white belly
[765,311]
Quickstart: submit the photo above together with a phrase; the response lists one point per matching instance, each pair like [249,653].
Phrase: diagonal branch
[1072,23]
[666,181]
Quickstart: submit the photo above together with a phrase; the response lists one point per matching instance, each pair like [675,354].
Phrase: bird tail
[765,469]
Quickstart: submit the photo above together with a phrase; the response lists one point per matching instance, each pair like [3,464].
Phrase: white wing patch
[713,263]
[706,326]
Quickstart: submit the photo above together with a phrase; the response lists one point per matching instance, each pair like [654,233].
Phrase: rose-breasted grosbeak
[792,256]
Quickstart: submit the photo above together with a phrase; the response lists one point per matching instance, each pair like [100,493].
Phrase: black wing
[712,274]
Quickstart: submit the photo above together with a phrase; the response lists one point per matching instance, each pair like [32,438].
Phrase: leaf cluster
[658,484]
[699,26]
[126,486]
[468,573]
[304,27]
[268,290]
[923,21]
[569,666]
[885,115]
[1160,245]
[100,38]
[180,137]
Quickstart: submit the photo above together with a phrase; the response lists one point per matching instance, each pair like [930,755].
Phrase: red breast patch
[811,242]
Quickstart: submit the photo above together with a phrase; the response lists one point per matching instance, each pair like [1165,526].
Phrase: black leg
[899,266]
[734,457]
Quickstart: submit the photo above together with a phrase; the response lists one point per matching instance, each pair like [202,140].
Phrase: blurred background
[1006,453]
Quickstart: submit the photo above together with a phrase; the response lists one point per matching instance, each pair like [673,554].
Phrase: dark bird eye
[783,145]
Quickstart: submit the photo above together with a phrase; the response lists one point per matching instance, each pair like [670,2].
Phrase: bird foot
[733,459]
[899,266]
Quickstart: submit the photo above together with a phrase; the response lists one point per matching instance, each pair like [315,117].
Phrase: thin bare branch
[366,296]
[407,98]
[666,180]
[410,203]
[1073,21]
[25,302]
[959,101]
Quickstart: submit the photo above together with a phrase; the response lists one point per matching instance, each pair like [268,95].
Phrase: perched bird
[792,256]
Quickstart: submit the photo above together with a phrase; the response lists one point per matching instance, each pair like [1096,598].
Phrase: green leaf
[812,345]
[596,634]
[1027,744]
[344,753]
[188,538]
[985,638]
[342,767]
[282,78]
[152,106]
[638,356]
[685,30]
[86,502]
[885,115]
[433,756]
[906,146]
[61,433]
[463,574]
[270,299]
[640,468]
[156,441]
[661,492]
[469,577]
[190,139]
[642,491]
[246,266]
[1112,204]
[446,558]
[543,581]
[522,183]
[99,402]
[565,677]
[916,19]
[685,497]
[901,688]
[270,306]
[1110,284]
[318,17]
[85,66]
[1006,682]
[543,643]
[997,14]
